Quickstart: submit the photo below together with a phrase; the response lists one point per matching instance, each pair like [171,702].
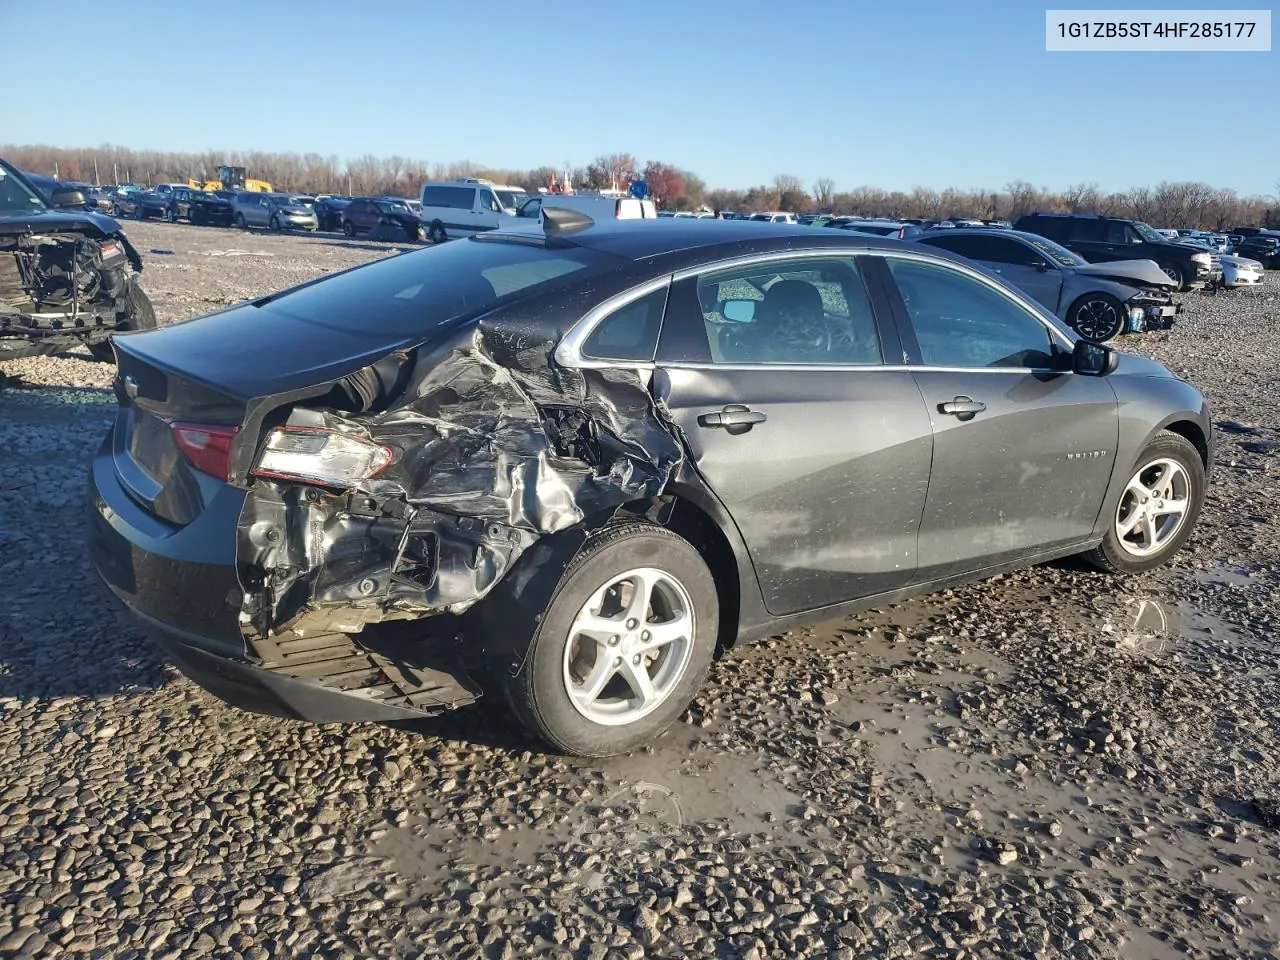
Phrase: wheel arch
[688,509]
[1190,431]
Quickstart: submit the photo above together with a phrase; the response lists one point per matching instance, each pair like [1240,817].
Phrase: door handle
[964,408]
[733,415]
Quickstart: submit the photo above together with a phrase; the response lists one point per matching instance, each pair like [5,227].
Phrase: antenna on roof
[557,220]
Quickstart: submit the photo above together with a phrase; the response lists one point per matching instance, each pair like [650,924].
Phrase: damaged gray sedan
[565,469]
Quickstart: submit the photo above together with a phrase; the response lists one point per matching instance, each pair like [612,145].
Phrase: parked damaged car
[199,207]
[1099,301]
[566,468]
[67,276]
[381,220]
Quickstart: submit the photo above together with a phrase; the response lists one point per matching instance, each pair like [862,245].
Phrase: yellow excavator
[231,178]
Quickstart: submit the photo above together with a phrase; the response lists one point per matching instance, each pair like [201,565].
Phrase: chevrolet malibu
[564,468]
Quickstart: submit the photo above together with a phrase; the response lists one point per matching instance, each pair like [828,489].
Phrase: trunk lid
[229,369]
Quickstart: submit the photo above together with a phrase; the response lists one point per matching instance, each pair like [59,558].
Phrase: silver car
[277,211]
[1098,300]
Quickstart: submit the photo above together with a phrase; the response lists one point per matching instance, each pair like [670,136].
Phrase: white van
[597,206]
[462,208]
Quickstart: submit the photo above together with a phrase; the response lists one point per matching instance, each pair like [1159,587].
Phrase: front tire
[436,233]
[349,229]
[139,315]
[171,215]
[240,222]
[617,652]
[1175,275]
[1157,510]
[1098,317]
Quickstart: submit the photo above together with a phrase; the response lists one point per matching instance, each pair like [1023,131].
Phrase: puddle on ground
[683,789]
[1224,575]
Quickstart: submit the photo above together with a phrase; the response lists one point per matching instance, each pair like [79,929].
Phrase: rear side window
[630,332]
[965,246]
[456,197]
[413,293]
[1089,231]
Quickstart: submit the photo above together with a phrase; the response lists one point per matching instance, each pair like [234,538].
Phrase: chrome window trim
[568,352]
[854,368]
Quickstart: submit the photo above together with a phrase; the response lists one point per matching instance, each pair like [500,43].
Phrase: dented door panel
[829,489]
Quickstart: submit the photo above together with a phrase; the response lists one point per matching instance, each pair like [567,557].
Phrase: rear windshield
[415,292]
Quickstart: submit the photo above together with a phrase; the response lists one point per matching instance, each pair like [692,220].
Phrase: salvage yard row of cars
[562,467]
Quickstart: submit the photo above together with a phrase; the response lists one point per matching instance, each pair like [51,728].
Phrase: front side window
[959,321]
[15,197]
[789,312]
[1057,254]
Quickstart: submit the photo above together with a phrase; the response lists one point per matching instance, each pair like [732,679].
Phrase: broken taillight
[206,447]
[325,458]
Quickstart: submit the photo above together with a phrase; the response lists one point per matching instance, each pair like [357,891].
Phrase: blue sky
[887,94]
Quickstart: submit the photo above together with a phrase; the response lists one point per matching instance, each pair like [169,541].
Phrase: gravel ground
[1051,763]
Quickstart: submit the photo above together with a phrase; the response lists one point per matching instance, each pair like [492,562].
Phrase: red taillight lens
[206,447]
[323,457]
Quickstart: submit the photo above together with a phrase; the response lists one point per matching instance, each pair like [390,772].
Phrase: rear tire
[559,656]
[140,315]
[170,215]
[275,223]
[240,222]
[1170,464]
[436,233]
[1098,317]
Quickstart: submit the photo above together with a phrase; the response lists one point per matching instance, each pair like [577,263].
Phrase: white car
[773,216]
[1241,271]
[463,208]
[597,206]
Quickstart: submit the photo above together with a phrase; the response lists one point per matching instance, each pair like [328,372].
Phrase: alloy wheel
[1097,320]
[1153,508]
[629,646]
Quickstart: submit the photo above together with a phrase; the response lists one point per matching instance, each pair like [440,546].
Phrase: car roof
[984,232]
[639,239]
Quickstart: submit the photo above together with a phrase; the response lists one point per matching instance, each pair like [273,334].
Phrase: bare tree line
[1182,204]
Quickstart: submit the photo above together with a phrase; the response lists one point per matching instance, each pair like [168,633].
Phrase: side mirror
[1041,266]
[1093,359]
[739,311]
[67,198]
